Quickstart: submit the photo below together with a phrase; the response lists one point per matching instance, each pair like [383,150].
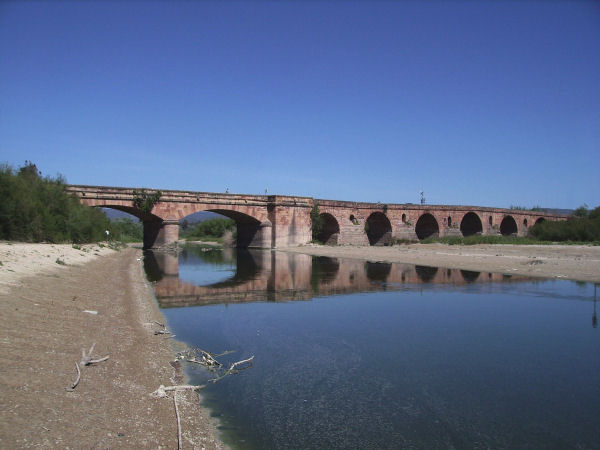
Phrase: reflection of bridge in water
[263,275]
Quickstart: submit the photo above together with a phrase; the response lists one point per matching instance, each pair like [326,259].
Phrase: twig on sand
[206,359]
[76,382]
[179,443]
[164,329]
[161,392]
[86,359]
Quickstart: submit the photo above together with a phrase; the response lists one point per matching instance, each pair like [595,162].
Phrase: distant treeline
[208,230]
[38,209]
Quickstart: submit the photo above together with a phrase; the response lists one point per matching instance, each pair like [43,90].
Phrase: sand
[45,326]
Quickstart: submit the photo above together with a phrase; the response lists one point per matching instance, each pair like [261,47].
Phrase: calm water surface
[355,355]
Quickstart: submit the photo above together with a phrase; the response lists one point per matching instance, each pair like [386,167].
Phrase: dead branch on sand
[179,443]
[163,329]
[161,392]
[76,382]
[208,360]
[86,359]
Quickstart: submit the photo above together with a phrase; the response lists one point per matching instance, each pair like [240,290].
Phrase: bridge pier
[254,235]
[160,234]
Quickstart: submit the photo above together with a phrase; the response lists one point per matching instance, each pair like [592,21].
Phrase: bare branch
[161,392]
[179,443]
[86,359]
[76,382]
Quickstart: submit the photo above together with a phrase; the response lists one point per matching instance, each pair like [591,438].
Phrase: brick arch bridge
[271,221]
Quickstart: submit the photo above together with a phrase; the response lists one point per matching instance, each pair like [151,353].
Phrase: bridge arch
[471,224]
[427,226]
[378,229]
[251,232]
[136,212]
[330,231]
[539,220]
[508,226]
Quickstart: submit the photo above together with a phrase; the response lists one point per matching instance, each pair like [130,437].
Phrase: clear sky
[482,103]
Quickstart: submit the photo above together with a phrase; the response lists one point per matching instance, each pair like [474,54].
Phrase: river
[364,355]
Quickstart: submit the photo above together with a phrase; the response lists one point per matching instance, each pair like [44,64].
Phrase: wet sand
[45,326]
[571,262]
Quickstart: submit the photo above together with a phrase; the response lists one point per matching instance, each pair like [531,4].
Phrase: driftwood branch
[208,360]
[235,368]
[86,359]
[76,382]
[179,443]
[163,329]
[161,392]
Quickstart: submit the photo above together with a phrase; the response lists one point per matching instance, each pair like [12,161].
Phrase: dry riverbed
[56,300]
[572,262]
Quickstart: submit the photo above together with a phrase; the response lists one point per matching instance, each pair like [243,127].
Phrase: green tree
[35,209]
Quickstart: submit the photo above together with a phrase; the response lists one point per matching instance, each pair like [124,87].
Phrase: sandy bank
[45,327]
[576,262]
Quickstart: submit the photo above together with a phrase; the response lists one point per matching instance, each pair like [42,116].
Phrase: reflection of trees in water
[469,276]
[324,270]
[378,271]
[212,255]
[426,273]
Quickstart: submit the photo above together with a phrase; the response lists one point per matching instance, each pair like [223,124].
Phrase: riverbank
[572,262]
[56,300]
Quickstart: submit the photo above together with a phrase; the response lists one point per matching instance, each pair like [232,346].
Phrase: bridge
[272,221]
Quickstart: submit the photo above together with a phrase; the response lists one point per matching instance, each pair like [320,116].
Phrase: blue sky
[481,103]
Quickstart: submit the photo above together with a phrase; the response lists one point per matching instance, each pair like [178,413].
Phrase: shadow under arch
[379,229]
[331,230]
[540,220]
[508,226]
[471,224]
[427,226]
[323,271]
[426,273]
[470,276]
[247,269]
[378,271]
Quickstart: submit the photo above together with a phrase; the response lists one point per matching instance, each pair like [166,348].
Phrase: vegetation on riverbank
[34,208]
[582,228]
[209,230]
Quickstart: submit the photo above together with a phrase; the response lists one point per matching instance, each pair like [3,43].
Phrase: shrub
[583,226]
